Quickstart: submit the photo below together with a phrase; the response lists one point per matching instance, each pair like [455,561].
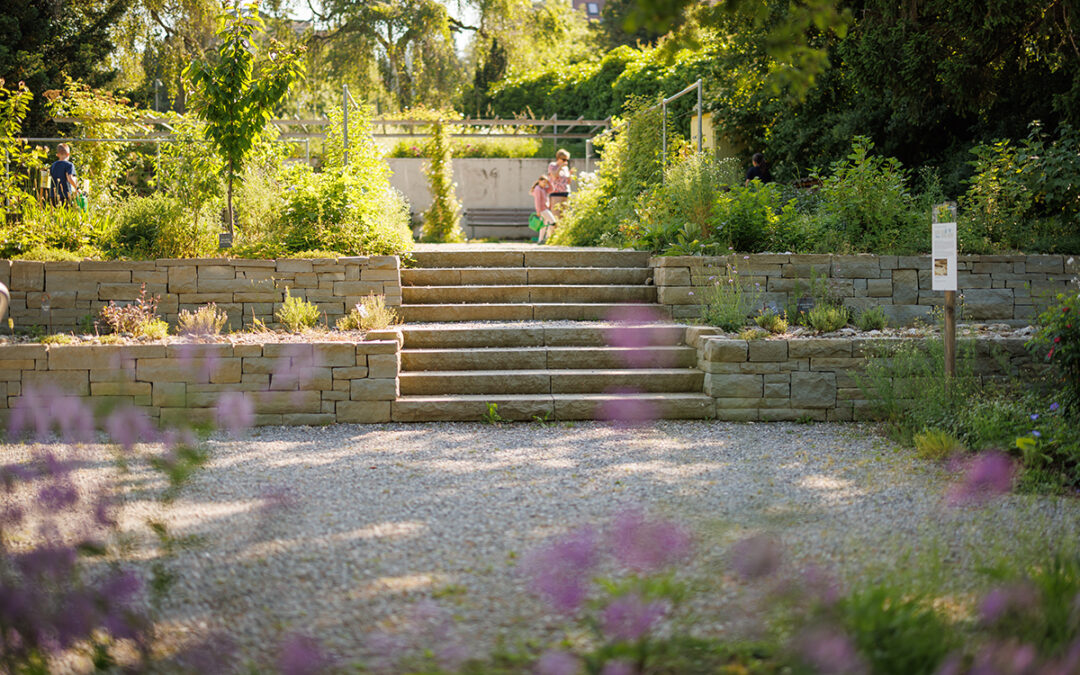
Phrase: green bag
[536,222]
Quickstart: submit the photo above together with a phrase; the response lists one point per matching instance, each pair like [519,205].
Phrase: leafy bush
[1037,608]
[825,318]
[204,321]
[47,230]
[1058,342]
[475,147]
[137,318]
[729,301]
[442,220]
[158,227]
[768,319]
[297,314]
[872,318]
[896,633]
[371,313]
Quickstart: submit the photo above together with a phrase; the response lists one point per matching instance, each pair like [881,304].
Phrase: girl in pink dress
[540,191]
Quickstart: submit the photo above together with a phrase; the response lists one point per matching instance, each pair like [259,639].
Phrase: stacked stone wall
[817,378]
[180,384]
[58,296]
[1005,288]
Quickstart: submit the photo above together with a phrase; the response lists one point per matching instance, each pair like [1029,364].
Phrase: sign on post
[943,273]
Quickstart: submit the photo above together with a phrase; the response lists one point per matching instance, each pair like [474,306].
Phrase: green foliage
[771,321]
[234,99]
[866,206]
[935,444]
[297,314]
[158,226]
[897,633]
[729,301]
[442,220]
[492,416]
[371,313]
[203,322]
[1041,610]
[1057,340]
[825,318]
[474,147]
[43,232]
[20,157]
[186,171]
[872,318]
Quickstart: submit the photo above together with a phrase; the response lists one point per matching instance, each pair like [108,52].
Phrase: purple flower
[554,662]
[1000,601]
[234,412]
[73,418]
[216,655]
[988,475]
[624,409]
[52,561]
[629,618]
[618,668]
[204,361]
[128,425]
[1035,433]
[1034,416]
[820,585]
[757,556]
[302,655]
[828,651]
[647,545]
[57,495]
[636,330]
[560,572]
[1054,407]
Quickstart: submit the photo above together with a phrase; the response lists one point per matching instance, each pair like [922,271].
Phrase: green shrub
[1057,341]
[297,314]
[204,321]
[158,227]
[1038,607]
[442,220]
[475,147]
[49,254]
[825,318]
[371,313]
[42,232]
[872,318]
[771,321]
[935,444]
[897,633]
[866,206]
[729,301]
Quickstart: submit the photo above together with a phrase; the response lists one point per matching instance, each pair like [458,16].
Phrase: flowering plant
[1058,341]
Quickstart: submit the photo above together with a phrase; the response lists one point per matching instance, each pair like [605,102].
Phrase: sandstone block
[792,414]
[987,303]
[905,283]
[383,262]
[183,279]
[725,350]
[379,275]
[373,390]
[733,386]
[294,266]
[1046,264]
[354,373]
[376,347]
[206,272]
[735,414]
[285,402]
[308,419]
[27,276]
[363,412]
[357,288]
[73,382]
[334,354]
[813,390]
[819,347]
[672,276]
[383,366]
[768,350]
[879,288]
[138,389]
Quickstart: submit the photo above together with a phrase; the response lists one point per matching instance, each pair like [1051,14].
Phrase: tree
[234,100]
[41,41]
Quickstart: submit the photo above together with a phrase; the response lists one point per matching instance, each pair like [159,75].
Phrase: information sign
[943,257]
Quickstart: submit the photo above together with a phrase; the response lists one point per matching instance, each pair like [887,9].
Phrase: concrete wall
[58,295]
[778,380]
[180,384]
[482,183]
[1005,288]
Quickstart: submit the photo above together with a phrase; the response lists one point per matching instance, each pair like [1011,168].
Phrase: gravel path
[336,531]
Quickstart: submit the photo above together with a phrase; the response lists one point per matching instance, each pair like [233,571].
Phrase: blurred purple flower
[618,668]
[203,359]
[820,585]
[235,412]
[103,511]
[561,570]
[1000,601]
[757,556]
[1054,407]
[302,655]
[1009,658]
[1034,416]
[430,625]
[278,498]
[1035,433]
[384,650]
[629,618]
[625,410]
[216,655]
[554,662]
[637,329]
[31,413]
[128,425]
[829,651]
[647,545]
[57,495]
[988,475]
[49,560]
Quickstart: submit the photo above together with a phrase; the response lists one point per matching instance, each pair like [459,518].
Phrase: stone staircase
[555,349]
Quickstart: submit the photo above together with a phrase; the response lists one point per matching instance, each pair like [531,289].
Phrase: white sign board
[943,257]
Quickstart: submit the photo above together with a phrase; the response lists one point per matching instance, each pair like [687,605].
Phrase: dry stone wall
[1006,288]
[58,296]
[815,378]
[180,384]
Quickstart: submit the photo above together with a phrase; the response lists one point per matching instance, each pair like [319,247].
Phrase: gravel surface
[337,531]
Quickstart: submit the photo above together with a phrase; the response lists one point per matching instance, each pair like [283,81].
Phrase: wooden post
[950,333]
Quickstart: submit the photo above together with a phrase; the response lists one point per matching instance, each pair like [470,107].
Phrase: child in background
[540,191]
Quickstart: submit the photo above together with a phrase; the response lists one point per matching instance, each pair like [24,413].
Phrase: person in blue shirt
[759,170]
[63,176]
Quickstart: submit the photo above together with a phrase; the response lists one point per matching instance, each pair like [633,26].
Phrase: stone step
[448,295]
[629,407]
[550,381]
[512,335]
[543,358]
[500,276]
[580,311]
[541,256]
